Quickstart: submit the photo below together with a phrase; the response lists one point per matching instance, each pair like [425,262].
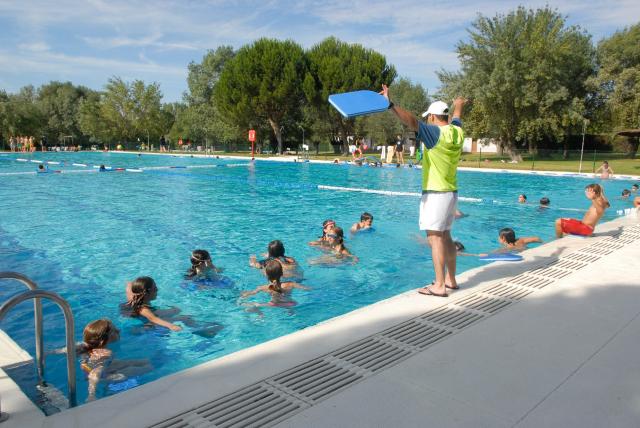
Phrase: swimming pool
[83,235]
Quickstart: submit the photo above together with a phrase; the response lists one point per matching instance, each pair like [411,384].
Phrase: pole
[148,146]
[594,160]
[584,125]
[252,150]
[479,156]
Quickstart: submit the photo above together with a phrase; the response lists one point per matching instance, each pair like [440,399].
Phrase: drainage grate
[507,291]
[372,354]
[597,250]
[415,334]
[452,317]
[572,265]
[552,273]
[256,405]
[484,304]
[317,379]
[585,258]
[527,280]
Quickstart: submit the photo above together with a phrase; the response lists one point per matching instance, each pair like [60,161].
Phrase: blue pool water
[84,235]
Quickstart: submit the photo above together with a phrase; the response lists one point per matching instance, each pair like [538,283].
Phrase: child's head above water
[626,193]
[200,257]
[143,290]
[507,236]
[366,218]
[275,249]
[97,334]
[327,226]
[337,235]
[273,271]
[522,198]
[545,201]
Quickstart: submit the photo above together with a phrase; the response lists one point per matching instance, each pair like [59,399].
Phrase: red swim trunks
[575,227]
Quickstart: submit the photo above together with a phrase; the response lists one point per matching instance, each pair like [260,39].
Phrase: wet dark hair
[366,216]
[545,201]
[459,246]
[273,270]
[339,233]
[141,287]
[626,192]
[96,334]
[324,225]
[523,196]
[275,249]
[198,258]
[508,234]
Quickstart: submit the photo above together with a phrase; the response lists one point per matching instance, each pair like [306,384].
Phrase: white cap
[440,108]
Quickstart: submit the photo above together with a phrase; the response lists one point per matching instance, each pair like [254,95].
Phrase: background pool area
[84,235]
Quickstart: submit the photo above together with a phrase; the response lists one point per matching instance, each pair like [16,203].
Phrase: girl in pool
[339,253]
[323,241]
[275,251]
[97,360]
[140,293]
[201,266]
[280,291]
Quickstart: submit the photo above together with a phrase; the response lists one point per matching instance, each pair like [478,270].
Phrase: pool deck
[550,341]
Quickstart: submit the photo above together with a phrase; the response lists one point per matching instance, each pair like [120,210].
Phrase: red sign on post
[252,135]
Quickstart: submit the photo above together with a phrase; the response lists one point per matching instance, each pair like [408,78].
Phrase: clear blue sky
[86,42]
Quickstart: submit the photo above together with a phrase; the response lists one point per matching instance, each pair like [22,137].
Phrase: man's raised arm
[405,117]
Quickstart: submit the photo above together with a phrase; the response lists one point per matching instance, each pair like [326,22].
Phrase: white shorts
[438,210]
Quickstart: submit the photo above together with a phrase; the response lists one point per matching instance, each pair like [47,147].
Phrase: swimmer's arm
[354,228]
[252,292]
[93,379]
[148,314]
[530,240]
[300,286]
[253,262]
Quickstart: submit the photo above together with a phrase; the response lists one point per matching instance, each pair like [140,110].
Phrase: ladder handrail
[37,309]
[69,331]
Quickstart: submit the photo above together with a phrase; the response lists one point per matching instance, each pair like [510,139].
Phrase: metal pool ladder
[37,294]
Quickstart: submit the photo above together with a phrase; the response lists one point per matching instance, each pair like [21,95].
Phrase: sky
[87,42]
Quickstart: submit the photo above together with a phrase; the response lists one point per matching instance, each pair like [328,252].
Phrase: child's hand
[174,327]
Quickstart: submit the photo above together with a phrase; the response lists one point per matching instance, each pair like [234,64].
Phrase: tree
[618,81]
[338,67]
[59,104]
[263,82]
[124,112]
[20,114]
[202,119]
[526,73]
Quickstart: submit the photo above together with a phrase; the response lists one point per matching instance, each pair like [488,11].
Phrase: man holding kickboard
[440,150]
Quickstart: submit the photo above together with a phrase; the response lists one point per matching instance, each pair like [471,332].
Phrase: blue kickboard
[358,103]
[501,257]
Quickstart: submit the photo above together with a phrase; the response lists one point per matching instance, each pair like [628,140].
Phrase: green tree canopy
[20,114]
[525,72]
[618,81]
[338,67]
[263,82]
[59,104]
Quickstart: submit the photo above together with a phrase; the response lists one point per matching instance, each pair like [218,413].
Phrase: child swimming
[201,266]
[507,237]
[366,221]
[338,252]
[140,293]
[280,291]
[275,251]
[599,203]
[97,360]
[327,227]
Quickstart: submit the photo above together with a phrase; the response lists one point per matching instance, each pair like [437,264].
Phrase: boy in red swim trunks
[599,203]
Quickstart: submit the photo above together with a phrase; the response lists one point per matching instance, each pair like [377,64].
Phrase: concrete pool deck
[550,341]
